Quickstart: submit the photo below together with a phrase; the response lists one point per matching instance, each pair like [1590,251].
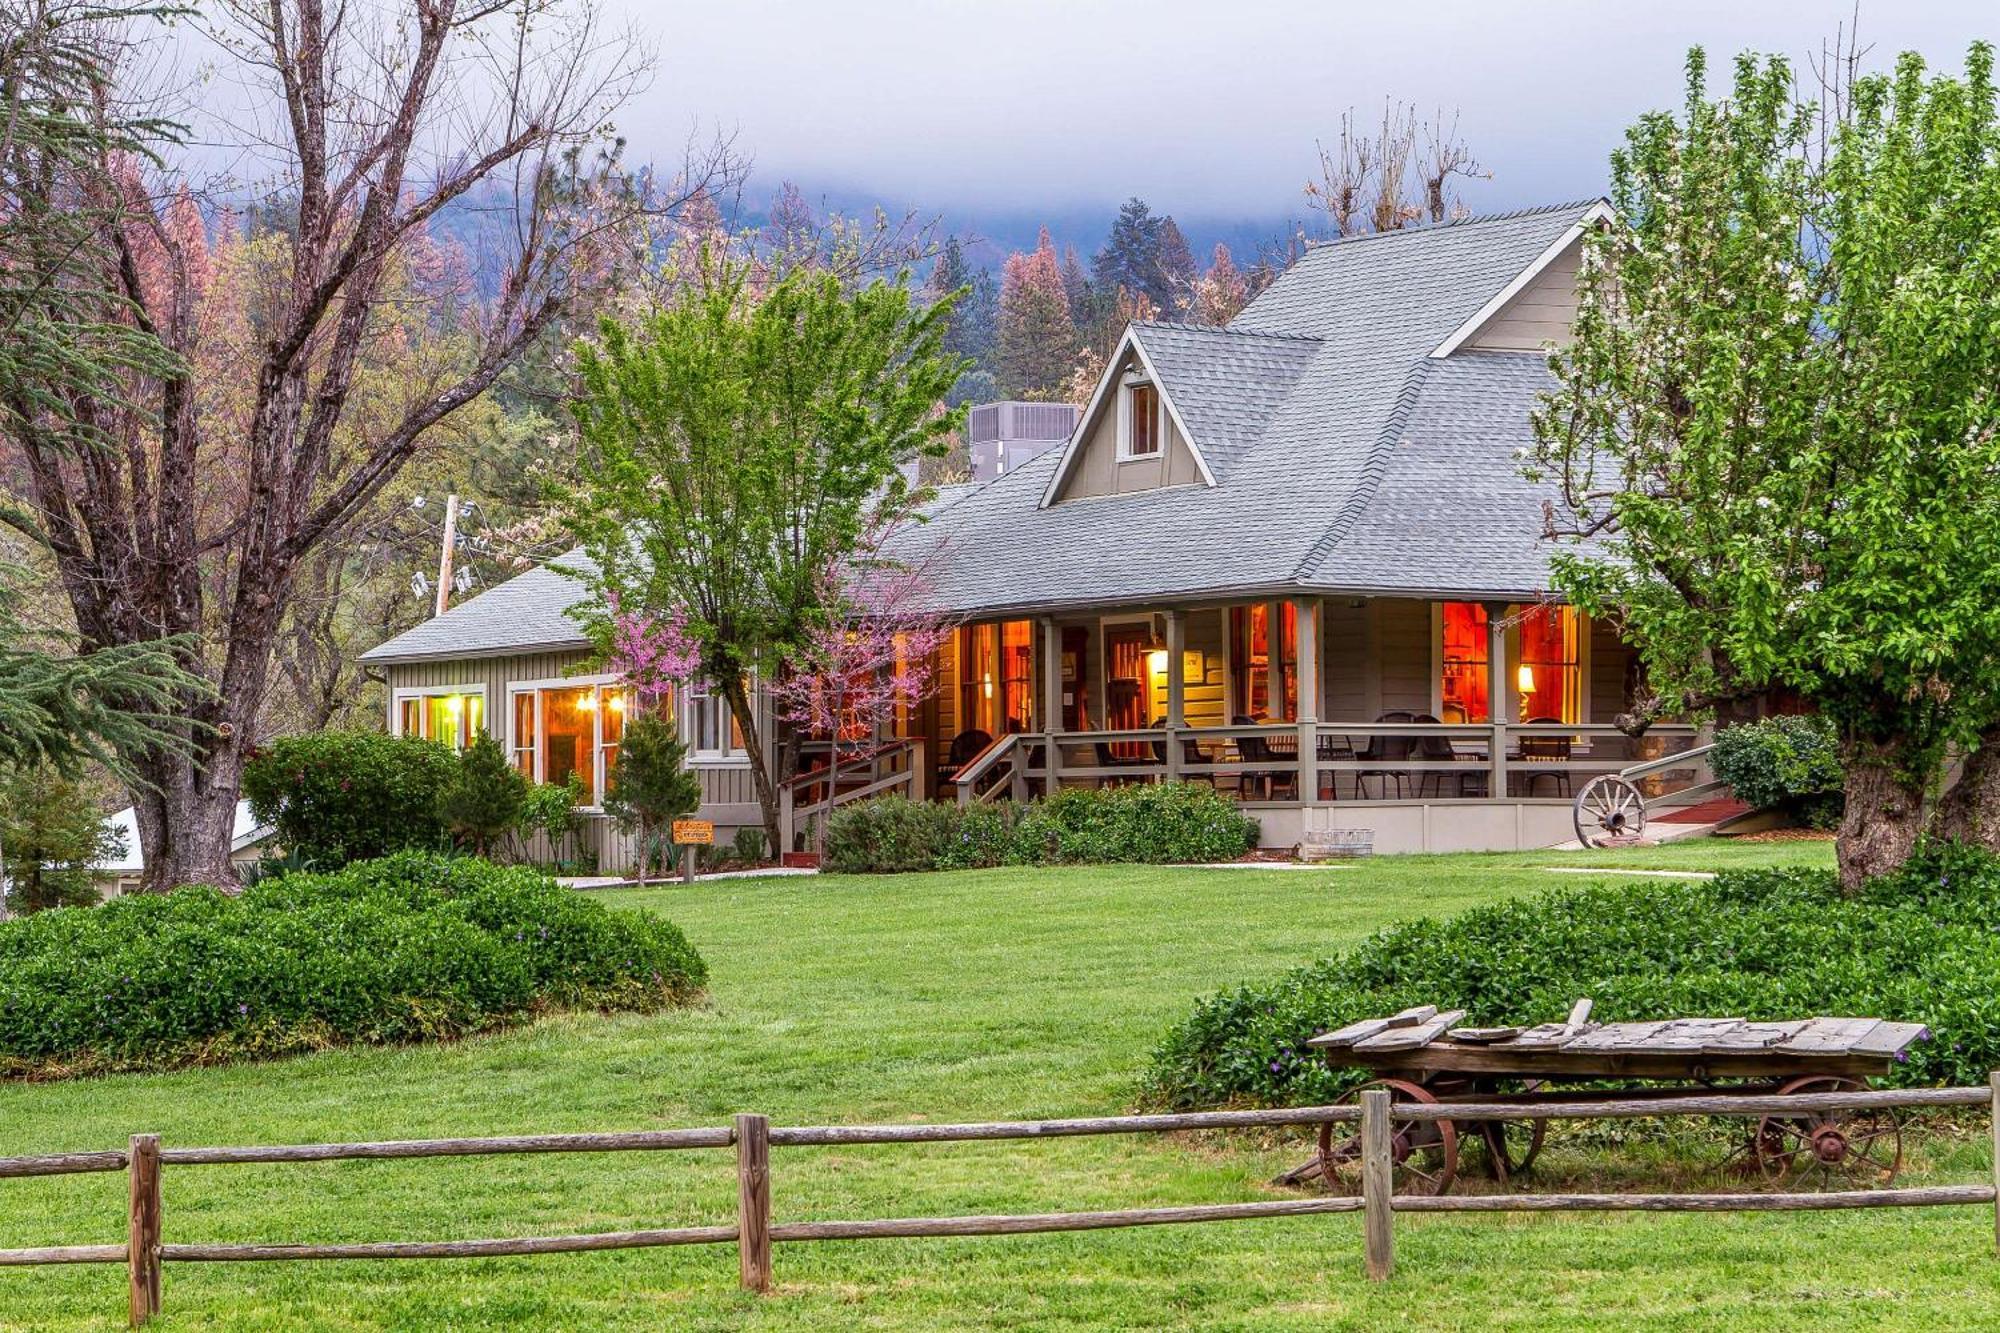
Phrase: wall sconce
[586,701]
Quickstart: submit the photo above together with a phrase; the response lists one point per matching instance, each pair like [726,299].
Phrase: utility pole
[445,555]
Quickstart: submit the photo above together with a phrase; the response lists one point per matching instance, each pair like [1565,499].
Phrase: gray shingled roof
[1346,460]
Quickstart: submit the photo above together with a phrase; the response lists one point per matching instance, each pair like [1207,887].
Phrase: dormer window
[1139,433]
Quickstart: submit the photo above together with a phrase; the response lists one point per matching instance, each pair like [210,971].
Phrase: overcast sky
[1208,107]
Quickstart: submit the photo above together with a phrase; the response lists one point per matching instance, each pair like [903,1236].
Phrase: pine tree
[970,330]
[1130,259]
[483,800]
[50,836]
[1037,343]
[651,784]
[1178,273]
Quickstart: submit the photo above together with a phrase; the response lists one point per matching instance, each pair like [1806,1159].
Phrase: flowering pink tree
[654,654]
[870,655]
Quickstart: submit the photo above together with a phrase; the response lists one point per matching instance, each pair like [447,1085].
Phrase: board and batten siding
[1097,469]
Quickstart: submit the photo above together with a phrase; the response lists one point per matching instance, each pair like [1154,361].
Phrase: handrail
[980,764]
[1665,761]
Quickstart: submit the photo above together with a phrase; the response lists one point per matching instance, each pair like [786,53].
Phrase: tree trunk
[761,778]
[1970,811]
[1885,813]
[645,849]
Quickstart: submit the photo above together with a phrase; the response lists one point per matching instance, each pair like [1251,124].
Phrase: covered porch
[1438,725]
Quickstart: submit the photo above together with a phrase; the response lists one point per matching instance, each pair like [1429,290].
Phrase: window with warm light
[560,729]
[1139,433]
[453,715]
[1250,684]
[1549,677]
[1464,690]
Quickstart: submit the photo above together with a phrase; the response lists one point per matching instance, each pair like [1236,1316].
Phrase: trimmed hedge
[1921,945]
[1155,823]
[341,796]
[414,947]
[1792,763]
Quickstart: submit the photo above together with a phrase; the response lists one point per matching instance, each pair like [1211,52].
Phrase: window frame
[696,695]
[404,693]
[1127,392]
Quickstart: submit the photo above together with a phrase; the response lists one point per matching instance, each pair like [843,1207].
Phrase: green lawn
[974,996]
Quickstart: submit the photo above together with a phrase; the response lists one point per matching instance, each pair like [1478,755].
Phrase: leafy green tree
[482,800]
[1775,436]
[733,447]
[651,784]
[50,835]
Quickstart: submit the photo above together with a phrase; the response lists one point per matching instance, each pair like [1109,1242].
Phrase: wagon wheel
[1512,1145]
[1847,1148]
[1424,1153]
[1609,810]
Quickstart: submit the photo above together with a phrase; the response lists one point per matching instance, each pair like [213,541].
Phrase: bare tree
[382,114]
[1378,181]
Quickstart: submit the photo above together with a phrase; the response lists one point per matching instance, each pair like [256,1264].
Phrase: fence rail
[753,1137]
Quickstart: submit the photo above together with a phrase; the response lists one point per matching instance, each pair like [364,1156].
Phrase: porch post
[1052,692]
[1496,697]
[1176,690]
[1306,611]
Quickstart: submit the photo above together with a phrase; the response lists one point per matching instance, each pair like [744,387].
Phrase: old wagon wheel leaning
[1863,1146]
[1608,811]
[1423,1153]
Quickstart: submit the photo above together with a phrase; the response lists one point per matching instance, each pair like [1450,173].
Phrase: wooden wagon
[1420,1056]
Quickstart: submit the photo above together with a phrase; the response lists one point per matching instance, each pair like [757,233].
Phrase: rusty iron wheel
[1822,1149]
[1424,1152]
[1512,1145]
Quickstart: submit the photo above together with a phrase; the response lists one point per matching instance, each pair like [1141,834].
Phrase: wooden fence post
[1993,1080]
[753,1201]
[1377,1185]
[143,1244]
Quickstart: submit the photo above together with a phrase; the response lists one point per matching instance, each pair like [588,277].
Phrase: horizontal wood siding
[1401,642]
[1540,315]
[1344,659]
[1205,697]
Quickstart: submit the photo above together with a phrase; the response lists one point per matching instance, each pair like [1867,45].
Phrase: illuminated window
[453,715]
[1139,434]
[568,728]
[1549,678]
[1466,688]
[996,677]
[1250,688]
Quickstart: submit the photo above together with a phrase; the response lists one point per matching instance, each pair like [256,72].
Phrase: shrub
[415,947]
[340,796]
[51,834]
[651,786]
[1792,763]
[886,835]
[483,799]
[554,810]
[1156,823]
[1920,945]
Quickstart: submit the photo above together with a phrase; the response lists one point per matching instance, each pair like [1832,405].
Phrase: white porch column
[1052,692]
[1176,690]
[1306,612]
[1497,695]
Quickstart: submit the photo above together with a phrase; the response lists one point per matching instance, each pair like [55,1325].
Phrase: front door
[1125,692]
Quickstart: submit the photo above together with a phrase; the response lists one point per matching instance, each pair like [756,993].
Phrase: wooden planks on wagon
[1368,1027]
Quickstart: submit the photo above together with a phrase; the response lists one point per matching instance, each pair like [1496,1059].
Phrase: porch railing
[806,800]
[1344,761]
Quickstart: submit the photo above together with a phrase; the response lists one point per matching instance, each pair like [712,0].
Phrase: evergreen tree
[483,800]
[969,331]
[651,784]
[1037,343]
[50,836]
[1130,259]
[1178,273]
[1076,286]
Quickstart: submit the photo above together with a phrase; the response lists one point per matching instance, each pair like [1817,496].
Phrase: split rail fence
[753,1136]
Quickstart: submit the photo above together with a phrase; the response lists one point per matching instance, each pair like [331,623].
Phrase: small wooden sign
[694,832]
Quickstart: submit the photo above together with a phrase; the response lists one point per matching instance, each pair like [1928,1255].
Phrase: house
[249,842]
[1294,556]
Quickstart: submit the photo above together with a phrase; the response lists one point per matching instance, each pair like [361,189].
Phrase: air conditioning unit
[1003,436]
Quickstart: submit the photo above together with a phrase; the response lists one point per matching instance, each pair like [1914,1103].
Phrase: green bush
[414,947]
[1921,945]
[1154,823]
[1792,763]
[340,796]
[485,797]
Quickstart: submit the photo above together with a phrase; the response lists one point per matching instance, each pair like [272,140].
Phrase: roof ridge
[1371,472]
[1472,220]
[1187,327]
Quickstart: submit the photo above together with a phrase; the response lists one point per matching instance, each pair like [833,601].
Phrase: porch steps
[1718,811]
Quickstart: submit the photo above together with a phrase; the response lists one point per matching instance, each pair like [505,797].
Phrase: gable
[1097,462]
[1540,315]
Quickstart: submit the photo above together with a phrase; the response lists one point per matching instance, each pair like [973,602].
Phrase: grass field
[975,996]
